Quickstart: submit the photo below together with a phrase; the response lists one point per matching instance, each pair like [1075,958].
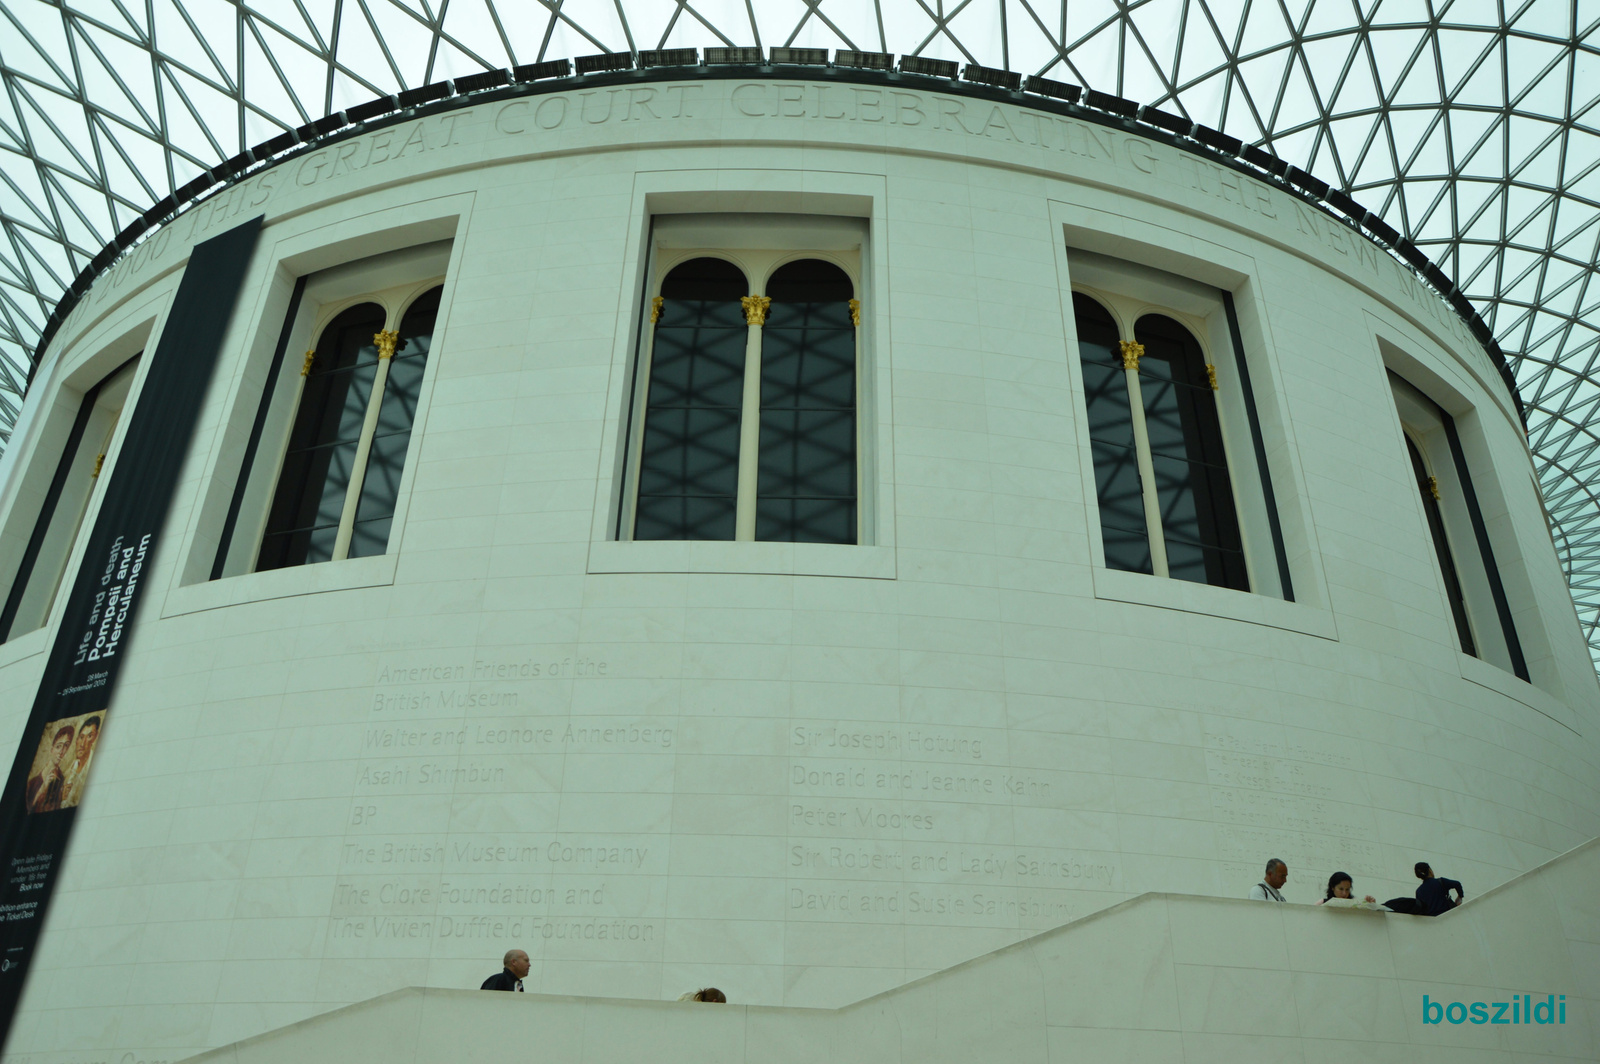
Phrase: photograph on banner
[61,766]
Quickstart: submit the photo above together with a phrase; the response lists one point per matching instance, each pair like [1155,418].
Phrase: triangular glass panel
[407,40]
[1358,93]
[470,26]
[105,87]
[30,49]
[1483,86]
[1096,59]
[265,89]
[451,62]
[118,17]
[1032,49]
[1544,17]
[1264,29]
[1330,16]
[1202,52]
[1526,63]
[1468,127]
[1544,167]
[1459,50]
[854,21]
[647,22]
[285,16]
[357,51]
[1328,60]
[176,40]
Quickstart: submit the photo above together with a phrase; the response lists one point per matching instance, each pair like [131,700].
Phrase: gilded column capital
[305,367]
[1132,351]
[655,309]
[855,313]
[1211,375]
[386,342]
[755,309]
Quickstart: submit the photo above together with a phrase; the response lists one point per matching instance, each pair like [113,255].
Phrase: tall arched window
[1194,496]
[1117,480]
[43,564]
[689,458]
[336,492]
[308,506]
[1161,473]
[806,490]
[1428,489]
[1481,608]
[391,434]
[749,429]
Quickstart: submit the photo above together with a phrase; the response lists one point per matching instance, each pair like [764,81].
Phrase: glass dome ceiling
[1471,126]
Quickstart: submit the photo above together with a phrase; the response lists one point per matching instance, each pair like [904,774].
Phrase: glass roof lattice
[1470,126]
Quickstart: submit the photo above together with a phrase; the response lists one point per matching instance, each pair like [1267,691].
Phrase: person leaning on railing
[1433,896]
[1341,895]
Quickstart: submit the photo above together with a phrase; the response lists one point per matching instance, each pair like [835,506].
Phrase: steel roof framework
[1470,126]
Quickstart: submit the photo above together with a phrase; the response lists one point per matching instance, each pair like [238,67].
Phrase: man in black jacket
[516,963]
[1433,897]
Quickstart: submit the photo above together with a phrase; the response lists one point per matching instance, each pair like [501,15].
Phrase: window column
[1131,351]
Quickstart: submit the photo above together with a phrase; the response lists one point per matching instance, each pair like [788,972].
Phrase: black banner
[73,706]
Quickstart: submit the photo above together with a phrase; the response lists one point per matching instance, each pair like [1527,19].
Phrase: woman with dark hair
[1340,894]
[45,787]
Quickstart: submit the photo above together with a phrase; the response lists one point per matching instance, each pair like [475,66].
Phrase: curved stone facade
[802,772]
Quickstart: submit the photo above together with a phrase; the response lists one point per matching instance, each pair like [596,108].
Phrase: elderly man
[1267,890]
[516,967]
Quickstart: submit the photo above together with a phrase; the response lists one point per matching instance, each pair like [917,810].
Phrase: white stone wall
[272,832]
[1164,979]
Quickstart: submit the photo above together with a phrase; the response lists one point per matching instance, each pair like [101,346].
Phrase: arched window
[806,490]
[323,465]
[1161,473]
[1116,455]
[1428,489]
[749,429]
[336,492]
[1194,496]
[689,459]
[308,506]
[43,564]
[391,435]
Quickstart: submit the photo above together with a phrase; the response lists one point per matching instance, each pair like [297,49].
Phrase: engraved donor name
[556,852]
[398,672]
[887,741]
[861,816]
[443,698]
[860,779]
[997,866]
[927,904]
[429,775]
[492,927]
[395,892]
[519,736]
